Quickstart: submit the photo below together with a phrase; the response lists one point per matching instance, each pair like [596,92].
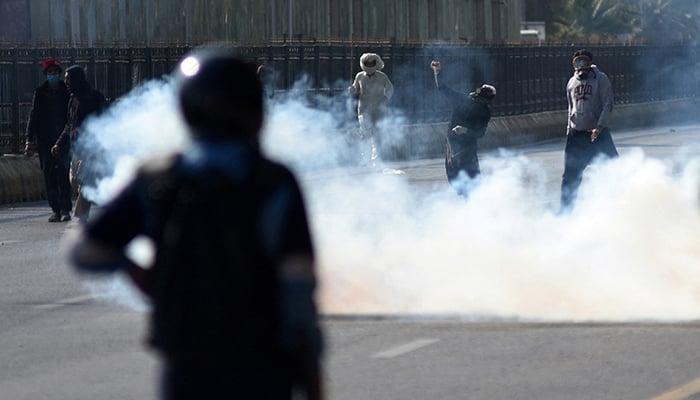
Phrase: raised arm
[436,67]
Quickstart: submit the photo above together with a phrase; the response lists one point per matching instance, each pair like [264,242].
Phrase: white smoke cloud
[314,143]
[142,124]
[628,251]
[389,246]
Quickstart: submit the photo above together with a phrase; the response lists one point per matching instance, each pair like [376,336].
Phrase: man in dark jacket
[470,117]
[233,279]
[84,101]
[46,122]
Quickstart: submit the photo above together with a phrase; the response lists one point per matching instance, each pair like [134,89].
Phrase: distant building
[533,31]
[92,22]
[537,15]
[14,20]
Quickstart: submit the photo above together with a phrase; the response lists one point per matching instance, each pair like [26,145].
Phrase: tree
[668,21]
[652,21]
[594,20]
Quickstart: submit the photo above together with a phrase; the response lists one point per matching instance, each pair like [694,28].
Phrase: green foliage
[668,20]
[653,21]
[594,20]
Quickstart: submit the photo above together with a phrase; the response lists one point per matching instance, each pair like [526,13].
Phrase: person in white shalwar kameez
[374,89]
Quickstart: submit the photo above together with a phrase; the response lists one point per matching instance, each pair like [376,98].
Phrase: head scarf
[78,82]
[485,91]
[369,58]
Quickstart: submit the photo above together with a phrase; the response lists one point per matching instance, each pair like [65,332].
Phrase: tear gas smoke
[118,290]
[629,251]
[143,124]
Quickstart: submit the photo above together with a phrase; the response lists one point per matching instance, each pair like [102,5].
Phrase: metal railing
[528,79]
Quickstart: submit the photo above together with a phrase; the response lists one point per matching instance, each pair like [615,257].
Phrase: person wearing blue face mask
[46,122]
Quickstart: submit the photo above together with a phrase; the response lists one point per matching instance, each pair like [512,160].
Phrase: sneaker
[55,217]
[65,216]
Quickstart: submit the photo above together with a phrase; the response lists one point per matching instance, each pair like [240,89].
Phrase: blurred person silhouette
[590,98]
[232,285]
[470,118]
[267,77]
[84,102]
[46,122]
[374,89]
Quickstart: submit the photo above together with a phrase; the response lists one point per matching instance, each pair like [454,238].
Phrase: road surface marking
[681,392]
[65,302]
[405,348]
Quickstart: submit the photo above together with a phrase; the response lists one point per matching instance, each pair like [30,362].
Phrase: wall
[14,19]
[90,22]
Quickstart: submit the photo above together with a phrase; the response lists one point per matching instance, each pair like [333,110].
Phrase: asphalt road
[63,336]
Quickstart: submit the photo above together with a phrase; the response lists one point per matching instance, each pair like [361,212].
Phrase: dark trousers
[217,378]
[465,161]
[57,182]
[578,154]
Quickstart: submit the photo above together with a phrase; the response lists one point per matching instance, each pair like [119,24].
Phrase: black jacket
[84,101]
[48,117]
[469,113]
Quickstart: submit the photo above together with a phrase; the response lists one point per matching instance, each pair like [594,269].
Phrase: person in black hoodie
[46,121]
[470,117]
[84,101]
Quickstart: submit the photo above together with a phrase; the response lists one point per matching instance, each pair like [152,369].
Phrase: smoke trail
[385,245]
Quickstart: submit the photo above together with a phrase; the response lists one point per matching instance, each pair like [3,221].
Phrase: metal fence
[528,79]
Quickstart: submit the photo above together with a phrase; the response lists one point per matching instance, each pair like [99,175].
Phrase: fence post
[149,62]
[317,66]
[15,103]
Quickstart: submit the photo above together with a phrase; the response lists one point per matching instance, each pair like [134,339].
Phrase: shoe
[55,217]
[65,216]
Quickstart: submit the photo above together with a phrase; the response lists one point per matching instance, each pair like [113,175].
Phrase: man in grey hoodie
[590,97]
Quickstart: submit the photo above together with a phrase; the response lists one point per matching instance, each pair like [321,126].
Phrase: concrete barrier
[21,179]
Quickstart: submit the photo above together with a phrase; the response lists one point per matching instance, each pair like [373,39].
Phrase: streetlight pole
[291,33]
[273,22]
[351,24]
